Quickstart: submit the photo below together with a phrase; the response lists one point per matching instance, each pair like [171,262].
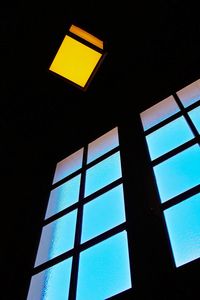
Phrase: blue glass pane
[179,173]
[63,196]
[68,165]
[57,237]
[104,269]
[103,173]
[52,283]
[159,112]
[103,144]
[190,94]
[183,224]
[103,213]
[168,137]
[195,116]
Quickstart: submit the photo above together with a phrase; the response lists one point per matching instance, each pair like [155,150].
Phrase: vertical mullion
[75,261]
[187,117]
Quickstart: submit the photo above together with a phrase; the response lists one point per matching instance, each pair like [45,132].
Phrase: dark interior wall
[153,50]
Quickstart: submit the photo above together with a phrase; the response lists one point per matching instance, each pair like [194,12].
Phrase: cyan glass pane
[104,269]
[63,196]
[68,165]
[103,144]
[103,213]
[52,283]
[183,224]
[159,112]
[195,116]
[178,173]
[57,237]
[168,137]
[103,173]
[190,94]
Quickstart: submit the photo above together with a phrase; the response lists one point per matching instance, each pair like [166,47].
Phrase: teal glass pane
[103,144]
[52,283]
[168,137]
[57,237]
[178,173]
[104,269]
[103,173]
[68,165]
[159,112]
[183,224]
[190,94]
[63,196]
[195,116]
[103,213]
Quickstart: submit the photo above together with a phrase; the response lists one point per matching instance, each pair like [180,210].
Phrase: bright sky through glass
[195,116]
[159,112]
[183,224]
[168,137]
[103,144]
[52,283]
[57,237]
[103,213]
[178,173]
[63,196]
[103,173]
[190,94]
[68,165]
[104,269]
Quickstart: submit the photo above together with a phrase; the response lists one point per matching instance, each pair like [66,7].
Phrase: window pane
[168,137]
[179,173]
[63,196]
[190,94]
[195,116]
[103,144]
[57,238]
[103,213]
[104,269]
[103,173]
[52,283]
[68,165]
[183,224]
[159,112]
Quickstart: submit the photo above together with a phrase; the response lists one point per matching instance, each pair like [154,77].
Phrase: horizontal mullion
[175,151]
[181,197]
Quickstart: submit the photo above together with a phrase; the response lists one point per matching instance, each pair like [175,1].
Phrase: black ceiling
[153,50]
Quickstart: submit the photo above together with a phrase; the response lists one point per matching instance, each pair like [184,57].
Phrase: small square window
[103,173]
[178,173]
[63,196]
[190,94]
[183,224]
[68,165]
[104,269]
[57,237]
[52,283]
[159,112]
[103,213]
[168,137]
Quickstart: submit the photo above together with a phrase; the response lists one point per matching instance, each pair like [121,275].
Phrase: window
[83,249]
[172,130]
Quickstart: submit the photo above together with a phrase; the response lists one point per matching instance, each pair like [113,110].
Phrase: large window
[172,129]
[83,249]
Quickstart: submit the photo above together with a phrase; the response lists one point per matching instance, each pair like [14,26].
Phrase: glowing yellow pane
[86,36]
[75,61]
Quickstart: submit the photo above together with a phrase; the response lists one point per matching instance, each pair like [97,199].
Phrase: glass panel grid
[168,137]
[103,173]
[103,213]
